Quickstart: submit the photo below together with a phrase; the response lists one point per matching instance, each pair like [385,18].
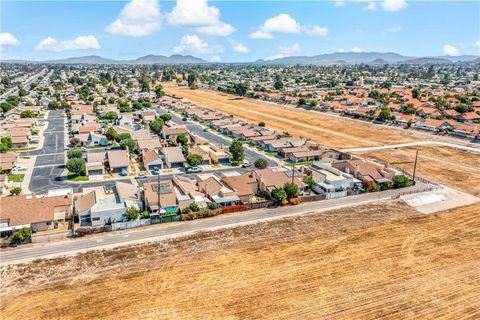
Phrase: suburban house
[129,194]
[98,207]
[8,160]
[219,155]
[172,157]
[171,133]
[245,185]
[203,151]
[367,171]
[328,179]
[95,139]
[436,125]
[39,213]
[95,163]
[118,160]
[273,178]
[151,160]
[166,195]
[213,188]
[186,191]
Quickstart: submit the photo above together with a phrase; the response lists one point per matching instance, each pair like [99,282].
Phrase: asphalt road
[116,239]
[25,84]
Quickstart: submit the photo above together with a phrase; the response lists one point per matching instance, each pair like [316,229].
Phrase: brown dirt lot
[457,169]
[374,261]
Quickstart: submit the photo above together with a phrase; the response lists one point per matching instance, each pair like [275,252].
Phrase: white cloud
[220,30]
[315,31]
[339,3]
[394,5]
[259,34]
[216,59]
[8,39]
[199,15]
[79,43]
[284,23]
[477,44]
[394,29]
[372,6]
[356,49]
[192,43]
[283,52]
[238,47]
[450,50]
[138,18]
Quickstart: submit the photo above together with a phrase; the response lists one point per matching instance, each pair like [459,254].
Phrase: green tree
[241,88]
[302,101]
[313,103]
[123,136]
[21,234]
[279,195]
[13,100]
[159,91]
[237,151]
[110,115]
[261,124]
[194,207]
[74,153]
[76,166]
[5,106]
[27,114]
[182,139]
[132,213]
[124,106]
[408,108]
[194,160]
[278,83]
[385,114]
[212,205]
[156,126]
[15,191]
[261,163]
[191,79]
[53,105]
[308,180]
[7,141]
[291,190]
[130,144]
[165,117]
[74,142]
[401,182]
[111,134]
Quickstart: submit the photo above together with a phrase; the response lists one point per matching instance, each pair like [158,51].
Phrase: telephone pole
[293,173]
[415,165]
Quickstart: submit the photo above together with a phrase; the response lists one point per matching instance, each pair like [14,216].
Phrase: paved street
[176,229]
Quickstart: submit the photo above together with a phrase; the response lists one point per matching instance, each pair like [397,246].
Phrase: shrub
[261,163]
[21,234]
[212,205]
[133,213]
[401,182]
[74,153]
[291,190]
[194,207]
[15,191]
[194,160]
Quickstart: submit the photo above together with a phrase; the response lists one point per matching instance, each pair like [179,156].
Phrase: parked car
[124,172]
[194,170]
[108,148]
[141,176]
[20,168]
[246,164]
[84,149]
[184,119]
[205,129]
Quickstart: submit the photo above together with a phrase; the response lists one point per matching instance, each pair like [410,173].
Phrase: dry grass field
[375,261]
[455,168]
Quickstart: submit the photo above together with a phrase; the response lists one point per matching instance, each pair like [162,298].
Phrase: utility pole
[293,173]
[415,165]
[158,192]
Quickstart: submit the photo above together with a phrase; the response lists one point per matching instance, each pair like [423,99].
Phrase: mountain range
[336,58]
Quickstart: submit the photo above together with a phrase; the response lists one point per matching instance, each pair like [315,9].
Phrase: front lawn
[306,163]
[12,177]
[72,177]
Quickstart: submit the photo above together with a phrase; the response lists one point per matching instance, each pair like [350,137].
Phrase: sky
[236,31]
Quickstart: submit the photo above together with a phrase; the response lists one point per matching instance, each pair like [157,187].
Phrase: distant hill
[336,58]
[378,62]
[149,59]
[427,60]
[365,57]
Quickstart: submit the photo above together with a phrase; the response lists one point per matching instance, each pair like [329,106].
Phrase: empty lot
[381,260]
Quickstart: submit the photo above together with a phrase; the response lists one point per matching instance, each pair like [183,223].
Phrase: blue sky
[236,30]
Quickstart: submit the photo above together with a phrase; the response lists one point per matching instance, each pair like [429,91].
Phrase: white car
[20,168]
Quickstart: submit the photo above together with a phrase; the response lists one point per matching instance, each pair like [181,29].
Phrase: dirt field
[457,169]
[374,261]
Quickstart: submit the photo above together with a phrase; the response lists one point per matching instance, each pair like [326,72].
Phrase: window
[95,218]
[48,223]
